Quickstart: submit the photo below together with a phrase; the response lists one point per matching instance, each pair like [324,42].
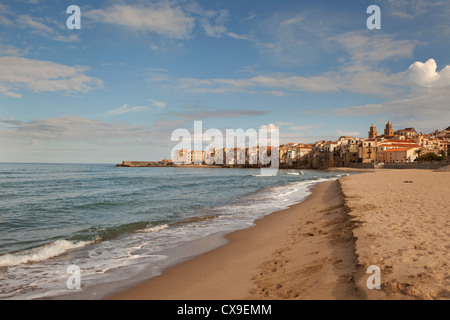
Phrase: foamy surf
[153,229]
[115,247]
[42,253]
[295,173]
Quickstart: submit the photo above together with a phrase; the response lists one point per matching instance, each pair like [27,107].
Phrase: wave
[42,253]
[98,234]
[153,229]
[89,236]
[295,173]
[189,220]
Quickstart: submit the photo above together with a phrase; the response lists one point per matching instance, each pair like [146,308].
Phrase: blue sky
[137,70]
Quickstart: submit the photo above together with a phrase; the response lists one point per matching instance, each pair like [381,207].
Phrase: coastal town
[401,146]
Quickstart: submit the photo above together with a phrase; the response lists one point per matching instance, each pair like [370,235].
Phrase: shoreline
[321,248]
[243,267]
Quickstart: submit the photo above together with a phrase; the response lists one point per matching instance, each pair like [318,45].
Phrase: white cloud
[298,19]
[40,26]
[6,22]
[426,107]
[270,127]
[426,75]
[347,133]
[358,73]
[283,123]
[9,50]
[43,76]
[8,93]
[364,49]
[364,81]
[72,129]
[427,111]
[158,104]
[275,93]
[409,9]
[167,18]
[126,109]
[217,29]
[36,26]
[274,81]
[163,19]
[4,10]
[301,128]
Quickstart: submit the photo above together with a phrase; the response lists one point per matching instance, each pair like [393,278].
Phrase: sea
[85,231]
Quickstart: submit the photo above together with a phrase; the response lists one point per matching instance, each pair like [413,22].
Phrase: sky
[117,88]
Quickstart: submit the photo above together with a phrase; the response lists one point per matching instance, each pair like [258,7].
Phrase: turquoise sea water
[115,222]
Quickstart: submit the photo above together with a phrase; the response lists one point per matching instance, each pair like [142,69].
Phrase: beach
[403,226]
[397,220]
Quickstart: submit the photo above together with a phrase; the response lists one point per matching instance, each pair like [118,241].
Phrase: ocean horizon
[116,224]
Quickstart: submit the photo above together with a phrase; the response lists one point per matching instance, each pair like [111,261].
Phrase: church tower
[373,133]
[388,131]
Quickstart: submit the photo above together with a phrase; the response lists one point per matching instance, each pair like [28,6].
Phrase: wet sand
[321,248]
[304,252]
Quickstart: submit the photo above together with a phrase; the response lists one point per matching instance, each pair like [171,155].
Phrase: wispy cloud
[200,113]
[348,133]
[126,109]
[371,49]
[270,81]
[162,18]
[301,128]
[175,20]
[426,107]
[357,72]
[10,50]
[43,76]
[72,129]
[158,104]
[409,9]
[42,26]
[214,26]
[32,23]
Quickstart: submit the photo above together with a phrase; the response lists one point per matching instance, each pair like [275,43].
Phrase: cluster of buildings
[401,146]
[240,157]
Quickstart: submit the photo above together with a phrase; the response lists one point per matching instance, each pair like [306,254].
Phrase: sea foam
[40,253]
[153,229]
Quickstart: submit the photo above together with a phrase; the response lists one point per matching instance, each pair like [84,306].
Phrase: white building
[183,156]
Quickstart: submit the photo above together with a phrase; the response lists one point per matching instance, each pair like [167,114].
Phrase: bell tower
[388,131]
[373,133]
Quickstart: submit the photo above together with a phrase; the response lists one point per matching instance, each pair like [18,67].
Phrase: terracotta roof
[399,141]
[406,145]
[398,150]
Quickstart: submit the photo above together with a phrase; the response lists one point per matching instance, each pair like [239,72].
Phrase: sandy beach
[397,220]
[403,226]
